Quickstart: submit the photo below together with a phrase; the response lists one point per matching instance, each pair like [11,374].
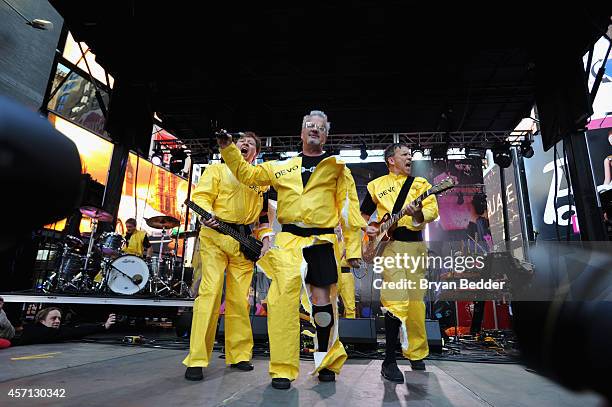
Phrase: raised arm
[246,173]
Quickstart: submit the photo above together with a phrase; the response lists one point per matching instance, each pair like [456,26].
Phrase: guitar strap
[401,198]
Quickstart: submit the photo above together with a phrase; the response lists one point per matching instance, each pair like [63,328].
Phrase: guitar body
[372,246]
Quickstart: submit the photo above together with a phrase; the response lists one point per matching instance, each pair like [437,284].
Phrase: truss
[378,141]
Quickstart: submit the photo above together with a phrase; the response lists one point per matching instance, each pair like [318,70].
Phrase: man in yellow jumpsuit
[316,191]
[238,205]
[137,240]
[404,308]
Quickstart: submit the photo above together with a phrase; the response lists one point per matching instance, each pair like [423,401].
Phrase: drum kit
[91,264]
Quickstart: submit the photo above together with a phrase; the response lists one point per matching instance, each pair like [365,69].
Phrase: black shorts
[322,269]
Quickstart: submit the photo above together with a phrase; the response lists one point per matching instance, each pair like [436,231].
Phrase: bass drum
[127,275]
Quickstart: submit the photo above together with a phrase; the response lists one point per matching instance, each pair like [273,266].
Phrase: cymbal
[96,213]
[161,222]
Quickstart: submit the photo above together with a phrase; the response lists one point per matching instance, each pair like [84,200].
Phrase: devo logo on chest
[256,189]
[286,171]
[386,191]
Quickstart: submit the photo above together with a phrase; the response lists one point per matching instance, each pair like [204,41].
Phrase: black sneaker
[326,375]
[194,373]
[281,383]
[391,372]
[244,365]
[417,364]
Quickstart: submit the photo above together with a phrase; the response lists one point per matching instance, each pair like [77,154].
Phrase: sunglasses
[311,125]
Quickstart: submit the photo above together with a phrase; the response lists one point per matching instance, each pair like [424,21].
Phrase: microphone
[225,133]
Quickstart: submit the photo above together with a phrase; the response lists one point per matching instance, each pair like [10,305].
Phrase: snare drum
[127,274]
[111,243]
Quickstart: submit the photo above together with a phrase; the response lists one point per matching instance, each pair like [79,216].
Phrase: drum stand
[156,280]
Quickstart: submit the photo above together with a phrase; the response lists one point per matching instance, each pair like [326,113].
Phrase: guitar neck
[395,218]
[223,227]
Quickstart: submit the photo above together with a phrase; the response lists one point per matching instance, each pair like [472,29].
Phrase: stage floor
[110,375]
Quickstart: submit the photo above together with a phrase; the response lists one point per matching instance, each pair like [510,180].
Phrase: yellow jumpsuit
[135,245]
[407,305]
[346,286]
[220,193]
[328,198]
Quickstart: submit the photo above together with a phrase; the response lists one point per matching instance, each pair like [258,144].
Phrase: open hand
[110,321]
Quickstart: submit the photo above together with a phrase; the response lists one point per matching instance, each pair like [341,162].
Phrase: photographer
[46,328]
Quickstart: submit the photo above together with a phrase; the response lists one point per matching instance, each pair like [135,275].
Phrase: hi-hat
[96,213]
[163,222]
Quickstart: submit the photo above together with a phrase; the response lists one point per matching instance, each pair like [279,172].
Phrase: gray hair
[390,150]
[317,113]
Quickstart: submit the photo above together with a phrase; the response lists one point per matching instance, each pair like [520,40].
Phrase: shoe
[281,383]
[417,364]
[194,373]
[391,372]
[245,365]
[326,375]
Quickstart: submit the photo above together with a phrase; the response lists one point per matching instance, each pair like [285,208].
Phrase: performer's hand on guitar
[266,246]
[354,263]
[372,230]
[211,223]
[224,139]
[416,212]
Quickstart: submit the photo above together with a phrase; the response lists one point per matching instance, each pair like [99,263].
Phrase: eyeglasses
[311,125]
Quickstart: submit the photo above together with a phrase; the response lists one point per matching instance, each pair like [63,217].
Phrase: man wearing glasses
[315,191]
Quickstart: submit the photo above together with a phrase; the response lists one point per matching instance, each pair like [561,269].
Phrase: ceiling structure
[376,71]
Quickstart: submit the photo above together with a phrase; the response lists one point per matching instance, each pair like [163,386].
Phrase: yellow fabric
[407,304]
[346,289]
[284,264]
[135,245]
[330,196]
[219,253]
[384,191]
[346,284]
[220,193]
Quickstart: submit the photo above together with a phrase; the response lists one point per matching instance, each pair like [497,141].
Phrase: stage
[94,374]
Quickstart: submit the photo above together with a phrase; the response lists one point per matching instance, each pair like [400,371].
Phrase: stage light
[526,149]
[157,159]
[364,152]
[501,156]
[417,153]
[439,152]
[177,160]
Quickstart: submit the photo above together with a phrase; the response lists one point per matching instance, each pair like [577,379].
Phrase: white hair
[317,113]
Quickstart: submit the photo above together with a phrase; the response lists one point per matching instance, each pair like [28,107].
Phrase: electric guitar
[372,246]
[249,246]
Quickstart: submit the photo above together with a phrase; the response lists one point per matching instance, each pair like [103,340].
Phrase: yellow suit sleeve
[246,173]
[208,189]
[350,215]
[430,207]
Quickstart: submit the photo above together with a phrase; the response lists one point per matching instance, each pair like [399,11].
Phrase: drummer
[137,241]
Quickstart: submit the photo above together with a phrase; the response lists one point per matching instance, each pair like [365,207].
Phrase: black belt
[403,234]
[306,232]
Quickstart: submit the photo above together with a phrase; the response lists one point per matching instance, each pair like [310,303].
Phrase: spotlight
[502,157]
[364,152]
[526,149]
[157,159]
[177,160]
[417,153]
